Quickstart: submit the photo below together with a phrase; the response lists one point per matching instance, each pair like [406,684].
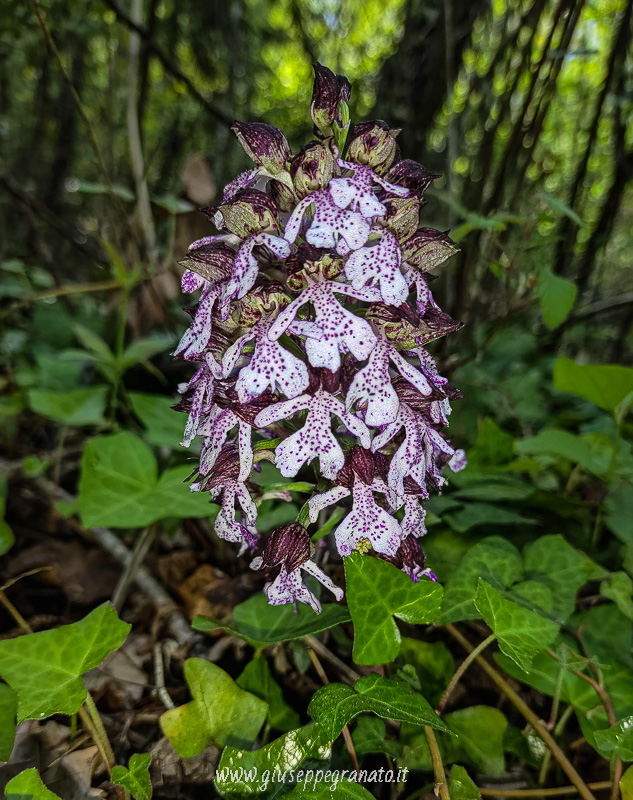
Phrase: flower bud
[289,545]
[265,144]
[311,260]
[313,167]
[210,258]
[249,212]
[427,249]
[283,195]
[373,144]
[329,94]
[403,215]
[358,461]
[412,175]
[262,299]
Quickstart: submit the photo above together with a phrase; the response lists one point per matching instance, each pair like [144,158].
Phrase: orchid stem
[441,786]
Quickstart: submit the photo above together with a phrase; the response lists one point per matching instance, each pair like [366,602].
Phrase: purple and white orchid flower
[327,253]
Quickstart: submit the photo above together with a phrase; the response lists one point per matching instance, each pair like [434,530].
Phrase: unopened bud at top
[330,96]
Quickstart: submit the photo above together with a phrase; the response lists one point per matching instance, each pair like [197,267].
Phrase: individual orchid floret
[412,175]
[428,249]
[329,94]
[417,455]
[373,384]
[357,192]
[197,335]
[249,211]
[245,266]
[339,330]
[331,226]
[203,384]
[208,259]
[315,439]
[270,365]
[216,428]
[289,548]
[379,262]
[411,560]
[313,167]
[223,481]
[367,521]
[268,148]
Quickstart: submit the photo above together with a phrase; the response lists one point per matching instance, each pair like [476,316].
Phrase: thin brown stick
[555,792]
[539,725]
[460,671]
[350,675]
[346,734]
[441,786]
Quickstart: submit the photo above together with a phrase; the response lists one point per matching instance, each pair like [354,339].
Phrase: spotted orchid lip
[312,333]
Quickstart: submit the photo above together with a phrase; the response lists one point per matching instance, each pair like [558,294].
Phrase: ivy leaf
[433,664]
[74,407]
[220,712]
[460,785]
[28,786]
[494,559]
[126,492]
[335,705]
[619,588]
[8,711]
[45,669]
[261,622]
[258,680]
[626,784]
[370,736]
[604,385]
[376,635]
[557,297]
[135,778]
[299,748]
[618,738]
[552,561]
[343,790]
[479,741]
[163,427]
[521,633]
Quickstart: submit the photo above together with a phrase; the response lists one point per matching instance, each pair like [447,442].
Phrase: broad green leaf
[552,561]
[135,778]
[478,741]
[461,786]
[8,711]
[626,784]
[494,447]
[28,786]
[261,622]
[485,486]
[333,789]
[303,748]
[120,488]
[495,560]
[557,297]
[618,738]
[257,679]
[376,635]
[618,507]
[143,349]
[220,712]
[163,425]
[605,385]
[577,449]
[370,736]
[532,595]
[521,633]
[433,664]
[335,705]
[94,344]
[72,407]
[477,514]
[619,588]
[45,669]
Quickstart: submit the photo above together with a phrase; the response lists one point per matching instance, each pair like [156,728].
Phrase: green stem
[441,786]
[461,669]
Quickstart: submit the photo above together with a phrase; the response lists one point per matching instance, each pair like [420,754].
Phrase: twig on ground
[539,725]
[159,677]
[141,546]
[350,675]
[460,671]
[555,792]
